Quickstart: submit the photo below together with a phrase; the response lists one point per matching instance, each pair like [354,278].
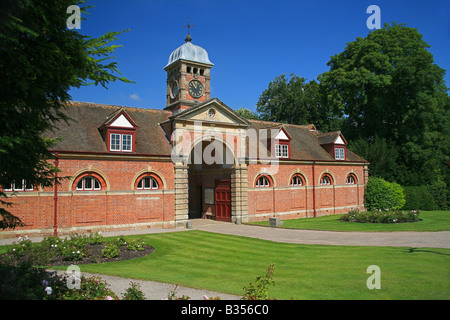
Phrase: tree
[247,113]
[382,155]
[297,102]
[40,60]
[387,86]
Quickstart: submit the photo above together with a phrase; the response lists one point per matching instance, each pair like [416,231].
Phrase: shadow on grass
[415,250]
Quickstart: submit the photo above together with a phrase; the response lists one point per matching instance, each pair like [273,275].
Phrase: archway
[210,168]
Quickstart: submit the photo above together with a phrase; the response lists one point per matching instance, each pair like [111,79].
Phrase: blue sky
[250,42]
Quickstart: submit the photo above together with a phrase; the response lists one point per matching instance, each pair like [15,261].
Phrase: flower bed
[82,249]
[381,216]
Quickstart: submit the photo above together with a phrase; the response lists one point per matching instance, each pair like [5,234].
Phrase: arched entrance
[210,170]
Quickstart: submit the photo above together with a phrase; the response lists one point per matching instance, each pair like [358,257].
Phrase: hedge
[418,198]
[381,194]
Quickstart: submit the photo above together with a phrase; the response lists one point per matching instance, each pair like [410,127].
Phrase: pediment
[120,119]
[282,135]
[212,111]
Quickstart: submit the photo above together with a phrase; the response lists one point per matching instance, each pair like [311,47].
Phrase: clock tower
[188,77]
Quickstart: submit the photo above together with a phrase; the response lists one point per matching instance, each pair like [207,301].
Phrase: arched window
[297,180]
[89,183]
[147,183]
[351,179]
[263,181]
[326,180]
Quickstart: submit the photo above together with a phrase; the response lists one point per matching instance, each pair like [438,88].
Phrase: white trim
[121,136]
[121,121]
[339,153]
[339,140]
[281,136]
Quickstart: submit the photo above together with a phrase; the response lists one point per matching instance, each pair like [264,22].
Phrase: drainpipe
[55,197]
[314,188]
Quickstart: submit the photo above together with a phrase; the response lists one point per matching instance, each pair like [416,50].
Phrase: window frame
[352,176]
[152,181]
[300,177]
[120,141]
[327,177]
[25,187]
[83,184]
[339,153]
[282,150]
[266,181]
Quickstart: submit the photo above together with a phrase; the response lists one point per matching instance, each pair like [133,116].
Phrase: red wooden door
[222,195]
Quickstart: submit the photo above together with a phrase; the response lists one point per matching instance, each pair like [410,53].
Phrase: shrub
[439,191]
[111,250]
[418,198]
[95,238]
[173,295]
[381,194]
[93,288]
[381,216]
[22,282]
[134,292]
[24,251]
[259,290]
[136,245]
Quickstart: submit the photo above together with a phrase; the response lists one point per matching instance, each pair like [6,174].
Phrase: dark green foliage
[439,191]
[393,97]
[40,61]
[418,198]
[22,282]
[247,113]
[297,102]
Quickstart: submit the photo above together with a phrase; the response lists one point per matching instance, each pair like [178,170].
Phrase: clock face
[195,89]
[174,89]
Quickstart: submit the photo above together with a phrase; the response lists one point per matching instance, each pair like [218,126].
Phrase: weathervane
[189,26]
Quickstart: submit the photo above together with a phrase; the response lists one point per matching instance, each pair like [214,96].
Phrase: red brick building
[134,168]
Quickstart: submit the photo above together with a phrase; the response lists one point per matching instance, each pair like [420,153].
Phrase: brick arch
[262,173]
[354,175]
[300,173]
[149,173]
[326,172]
[104,181]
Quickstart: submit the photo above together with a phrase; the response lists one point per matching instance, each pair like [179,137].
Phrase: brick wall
[119,205]
[286,201]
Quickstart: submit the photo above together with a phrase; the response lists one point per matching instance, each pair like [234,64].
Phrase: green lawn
[431,221]
[226,263]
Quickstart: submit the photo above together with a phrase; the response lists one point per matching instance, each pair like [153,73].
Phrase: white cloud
[134,96]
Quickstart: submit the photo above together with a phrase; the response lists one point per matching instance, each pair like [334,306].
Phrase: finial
[189,26]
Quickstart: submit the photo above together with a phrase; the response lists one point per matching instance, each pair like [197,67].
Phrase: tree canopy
[41,59]
[388,97]
[388,87]
[296,101]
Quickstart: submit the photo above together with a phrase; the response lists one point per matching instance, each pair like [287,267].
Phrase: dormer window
[339,153]
[121,142]
[335,144]
[282,150]
[282,144]
[119,132]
